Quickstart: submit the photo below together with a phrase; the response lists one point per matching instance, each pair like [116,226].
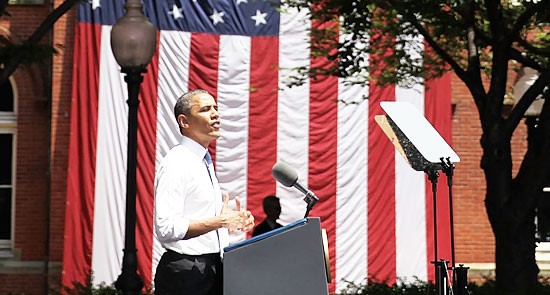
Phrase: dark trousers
[189,274]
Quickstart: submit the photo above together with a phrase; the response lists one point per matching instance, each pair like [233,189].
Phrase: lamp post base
[129,282]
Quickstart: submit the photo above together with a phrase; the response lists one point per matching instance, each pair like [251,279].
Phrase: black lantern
[133,41]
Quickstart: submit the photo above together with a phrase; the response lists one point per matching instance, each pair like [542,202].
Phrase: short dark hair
[184,104]
[269,200]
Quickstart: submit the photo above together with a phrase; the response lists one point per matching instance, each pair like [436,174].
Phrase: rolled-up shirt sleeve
[170,191]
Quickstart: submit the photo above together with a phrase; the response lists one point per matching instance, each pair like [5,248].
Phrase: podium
[287,260]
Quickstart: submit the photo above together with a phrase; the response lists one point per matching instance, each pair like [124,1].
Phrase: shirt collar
[195,147]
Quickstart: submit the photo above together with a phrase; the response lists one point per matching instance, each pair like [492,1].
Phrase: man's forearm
[200,227]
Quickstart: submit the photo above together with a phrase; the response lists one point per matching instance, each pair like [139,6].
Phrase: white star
[259,17]
[96,4]
[176,12]
[217,17]
[241,1]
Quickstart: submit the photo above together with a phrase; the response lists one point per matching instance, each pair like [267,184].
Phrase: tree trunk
[516,268]
[511,205]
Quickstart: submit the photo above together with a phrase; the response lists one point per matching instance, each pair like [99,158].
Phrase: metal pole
[129,282]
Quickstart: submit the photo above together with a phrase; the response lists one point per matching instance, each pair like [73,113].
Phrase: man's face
[203,122]
[273,210]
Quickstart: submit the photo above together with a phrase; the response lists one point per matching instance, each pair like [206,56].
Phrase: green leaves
[377,34]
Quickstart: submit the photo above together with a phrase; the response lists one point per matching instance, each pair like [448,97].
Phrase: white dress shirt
[184,191]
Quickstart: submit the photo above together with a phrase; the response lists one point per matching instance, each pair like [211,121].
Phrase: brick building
[34,130]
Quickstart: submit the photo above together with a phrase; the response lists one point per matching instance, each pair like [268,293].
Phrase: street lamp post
[133,41]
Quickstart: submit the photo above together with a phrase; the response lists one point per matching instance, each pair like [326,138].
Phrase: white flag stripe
[410,207]
[110,182]
[293,110]
[233,104]
[351,188]
[173,74]
[410,195]
[174,52]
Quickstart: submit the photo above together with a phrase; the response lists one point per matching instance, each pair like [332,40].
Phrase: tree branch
[502,40]
[526,61]
[428,38]
[3,4]
[47,24]
[474,63]
[494,15]
[534,50]
[526,100]
[524,17]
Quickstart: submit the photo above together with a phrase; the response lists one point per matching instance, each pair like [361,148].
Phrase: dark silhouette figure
[272,209]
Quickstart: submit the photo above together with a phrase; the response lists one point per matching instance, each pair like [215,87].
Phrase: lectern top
[421,134]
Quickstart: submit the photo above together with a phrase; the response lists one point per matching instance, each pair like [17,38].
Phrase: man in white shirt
[191,219]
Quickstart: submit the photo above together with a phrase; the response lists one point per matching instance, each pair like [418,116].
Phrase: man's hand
[236,220]
[247,217]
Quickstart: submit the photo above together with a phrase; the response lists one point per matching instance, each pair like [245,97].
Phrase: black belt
[212,256]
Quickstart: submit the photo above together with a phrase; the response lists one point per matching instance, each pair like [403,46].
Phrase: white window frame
[8,125]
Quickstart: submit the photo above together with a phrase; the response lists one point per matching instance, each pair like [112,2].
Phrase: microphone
[285,175]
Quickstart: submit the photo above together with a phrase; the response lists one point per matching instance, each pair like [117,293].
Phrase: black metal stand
[448,169]
[460,275]
[311,200]
[461,280]
[441,270]
[129,282]
[442,277]
[433,176]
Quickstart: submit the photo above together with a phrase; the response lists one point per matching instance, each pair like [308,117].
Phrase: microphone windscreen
[284,174]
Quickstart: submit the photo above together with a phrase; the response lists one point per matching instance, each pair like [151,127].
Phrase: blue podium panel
[288,260]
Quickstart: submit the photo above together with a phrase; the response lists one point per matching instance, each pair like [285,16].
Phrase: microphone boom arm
[310,198]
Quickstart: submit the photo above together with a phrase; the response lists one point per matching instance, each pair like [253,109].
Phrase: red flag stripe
[438,113]
[262,122]
[203,71]
[147,130]
[381,192]
[82,148]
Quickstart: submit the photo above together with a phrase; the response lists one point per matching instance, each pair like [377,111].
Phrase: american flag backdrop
[378,212]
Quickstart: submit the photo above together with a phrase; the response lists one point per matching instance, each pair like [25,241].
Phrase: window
[542,220]
[8,124]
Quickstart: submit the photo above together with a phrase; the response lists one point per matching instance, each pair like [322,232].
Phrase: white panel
[410,198]
[233,104]
[111,158]
[174,50]
[293,110]
[351,185]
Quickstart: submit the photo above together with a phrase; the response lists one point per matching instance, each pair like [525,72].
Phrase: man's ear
[182,121]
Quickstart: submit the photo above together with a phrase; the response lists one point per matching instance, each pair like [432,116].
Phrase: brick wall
[473,234]
[40,191]
[61,109]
